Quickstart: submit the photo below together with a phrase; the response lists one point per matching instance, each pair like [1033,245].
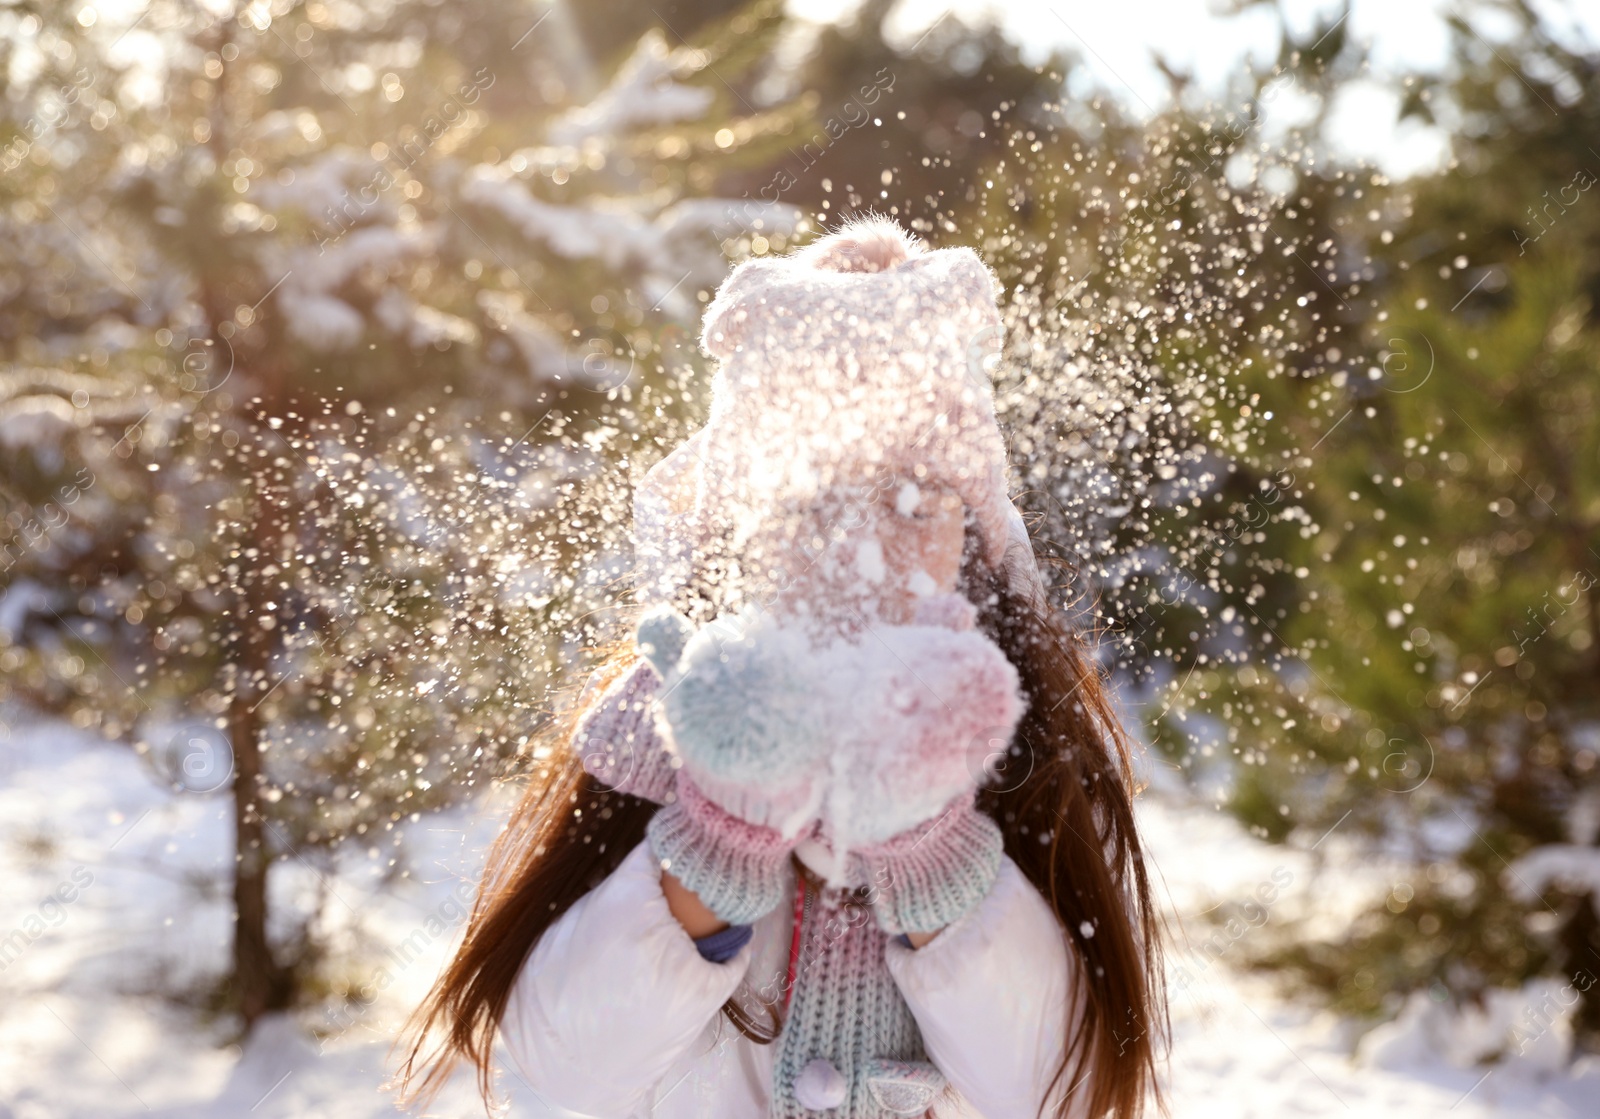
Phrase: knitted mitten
[741,712]
[929,876]
[738,869]
[616,739]
[737,711]
[934,705]
[850,1045]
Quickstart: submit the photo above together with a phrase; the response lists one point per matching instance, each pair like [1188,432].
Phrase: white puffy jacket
[617,1015]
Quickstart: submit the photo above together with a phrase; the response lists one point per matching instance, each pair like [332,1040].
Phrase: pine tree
[1446,627]
[390,284]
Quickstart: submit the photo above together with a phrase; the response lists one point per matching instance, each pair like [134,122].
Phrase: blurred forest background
[331,336]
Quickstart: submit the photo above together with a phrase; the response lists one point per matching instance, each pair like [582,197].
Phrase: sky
[1116,41]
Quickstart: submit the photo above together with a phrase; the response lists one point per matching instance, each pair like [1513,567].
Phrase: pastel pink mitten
[932,707]
[930,875]
[904,821]
[739,870]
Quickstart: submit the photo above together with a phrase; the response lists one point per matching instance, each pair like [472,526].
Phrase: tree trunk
[1580,947]
[262,984]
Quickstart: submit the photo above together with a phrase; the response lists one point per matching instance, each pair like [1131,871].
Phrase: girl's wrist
[720,947]
[697,920]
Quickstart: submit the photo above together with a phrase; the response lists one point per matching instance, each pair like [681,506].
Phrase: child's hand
[736,712]
[841,750]
[739,704]
[901,817]
[926,707]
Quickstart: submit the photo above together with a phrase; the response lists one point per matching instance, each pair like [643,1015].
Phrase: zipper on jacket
[802,906]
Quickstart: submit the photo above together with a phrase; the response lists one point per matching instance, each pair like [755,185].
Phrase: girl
[847,830]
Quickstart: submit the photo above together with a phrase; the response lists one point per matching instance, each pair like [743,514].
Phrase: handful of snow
[859,737]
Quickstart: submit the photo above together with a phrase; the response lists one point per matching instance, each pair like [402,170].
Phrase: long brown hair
[1063,800]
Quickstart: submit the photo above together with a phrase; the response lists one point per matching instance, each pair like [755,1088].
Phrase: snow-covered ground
[102,902]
